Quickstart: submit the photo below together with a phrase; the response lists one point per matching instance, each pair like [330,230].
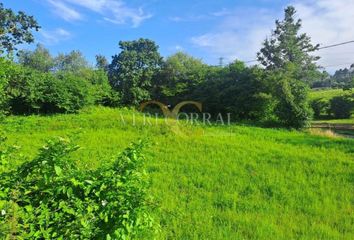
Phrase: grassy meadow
[325,94]
[217,182]
[328,94]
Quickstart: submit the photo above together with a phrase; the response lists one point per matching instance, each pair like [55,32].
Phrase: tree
[5,67]
[179,75]
[72,62]
[15,29]
[101,62]
[286,45]
[344,78]
[132,70]
[342,106]
[292,108]
[291,69]
[238,90]
[39,59]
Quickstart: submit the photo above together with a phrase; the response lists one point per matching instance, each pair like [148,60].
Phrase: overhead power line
[336,45]
[324,47]
[339,65]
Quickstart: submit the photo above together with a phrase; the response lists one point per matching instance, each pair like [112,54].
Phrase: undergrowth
[51,198]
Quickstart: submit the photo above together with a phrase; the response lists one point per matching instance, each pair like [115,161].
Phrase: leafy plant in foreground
[50,198]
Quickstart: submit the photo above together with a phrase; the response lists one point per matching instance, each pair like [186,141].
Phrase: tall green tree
[179,76]
[292,102]
[101,62]
[71,62]
[238,90]
[132,70]
[15,28]
[291,68]
[40,59]
[344,78]
[287,45]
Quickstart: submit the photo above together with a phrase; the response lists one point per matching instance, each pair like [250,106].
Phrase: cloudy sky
[207,29]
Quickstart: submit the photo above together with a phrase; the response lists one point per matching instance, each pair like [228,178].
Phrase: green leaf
[58,170]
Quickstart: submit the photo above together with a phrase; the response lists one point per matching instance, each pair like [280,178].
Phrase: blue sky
[207,29]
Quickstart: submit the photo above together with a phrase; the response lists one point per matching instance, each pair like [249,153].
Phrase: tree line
[274,92]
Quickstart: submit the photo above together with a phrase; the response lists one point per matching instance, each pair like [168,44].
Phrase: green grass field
[339,121]
[220,182]
[329,94]
[325,94]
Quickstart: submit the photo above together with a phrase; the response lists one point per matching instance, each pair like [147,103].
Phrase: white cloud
[222,44]
[64,11]
[221,13]
[241,32]
[114,11]
[193,18]
[330,22]
[55,36]
[238,36]
[179,48]
[176,19]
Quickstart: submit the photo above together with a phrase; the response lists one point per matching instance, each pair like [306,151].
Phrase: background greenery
[208,182]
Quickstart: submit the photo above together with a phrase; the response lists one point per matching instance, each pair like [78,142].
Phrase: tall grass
[219,182]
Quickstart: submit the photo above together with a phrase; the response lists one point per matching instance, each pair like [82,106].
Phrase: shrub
[66,92]
[342,106]
[292,109]
[30,91]
[4,65]
[5,154]
[24,90]
[101,91]
[50,198]
[238,90]
[320,107]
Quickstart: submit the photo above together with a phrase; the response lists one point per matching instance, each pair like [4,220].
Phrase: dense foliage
[342,106]
[320,107]
[40,59]
[342,78]
[50,198]
[335,103]
[26,90]
[132,70]
[15,28]
[236,89]
[180,75]
[42,83]
[292,109]
[288,45]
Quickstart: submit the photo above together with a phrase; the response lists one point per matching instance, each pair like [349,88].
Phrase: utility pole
[221,61]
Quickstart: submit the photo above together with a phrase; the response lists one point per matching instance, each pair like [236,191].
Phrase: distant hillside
[325,94]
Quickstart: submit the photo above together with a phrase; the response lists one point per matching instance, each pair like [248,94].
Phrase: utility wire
[324,47]
[336,45]
[338,65]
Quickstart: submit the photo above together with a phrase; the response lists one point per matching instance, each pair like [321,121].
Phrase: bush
[342,106]
[292,109]
[101,91]
[25,91]
[50,198]
[4,66]
[238,90]
[66,92]
[320,107]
